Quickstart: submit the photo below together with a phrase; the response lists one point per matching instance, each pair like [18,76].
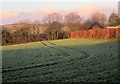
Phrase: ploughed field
[69,60]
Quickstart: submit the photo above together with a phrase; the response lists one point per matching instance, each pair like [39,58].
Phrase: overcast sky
[14,11]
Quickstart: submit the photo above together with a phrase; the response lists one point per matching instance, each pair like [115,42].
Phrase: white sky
[28,6]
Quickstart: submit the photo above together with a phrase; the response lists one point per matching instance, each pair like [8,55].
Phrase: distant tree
[53,30]
[33,29]
[64,33]
[113,19]
[14,35]
[87,24]
[37,32]
[53,17]
[98,18]
[72,20]
[53,23]
[24,32]
[6,37]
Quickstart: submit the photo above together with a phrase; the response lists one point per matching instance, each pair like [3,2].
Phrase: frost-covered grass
[70,60]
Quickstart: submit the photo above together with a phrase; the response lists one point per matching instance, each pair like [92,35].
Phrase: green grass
[69,60]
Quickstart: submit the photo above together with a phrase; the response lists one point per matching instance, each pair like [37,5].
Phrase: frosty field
[69,60]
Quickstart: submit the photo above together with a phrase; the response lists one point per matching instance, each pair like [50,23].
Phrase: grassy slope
[61,60]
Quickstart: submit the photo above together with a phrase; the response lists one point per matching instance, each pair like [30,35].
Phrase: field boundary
[106,33]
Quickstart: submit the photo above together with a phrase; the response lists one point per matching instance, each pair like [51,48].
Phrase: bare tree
[72,17]
[87,24]
[99,18]
[53,23]
[53,17]
[72,20]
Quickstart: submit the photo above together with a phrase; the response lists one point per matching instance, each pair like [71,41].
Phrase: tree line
[56,26]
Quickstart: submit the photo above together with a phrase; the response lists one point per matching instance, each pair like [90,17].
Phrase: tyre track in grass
[53,45]
[41,54]
[34,66]
[43,65]
[83,52]
[34,57]
[26,68]
[43,74]
[64,53]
